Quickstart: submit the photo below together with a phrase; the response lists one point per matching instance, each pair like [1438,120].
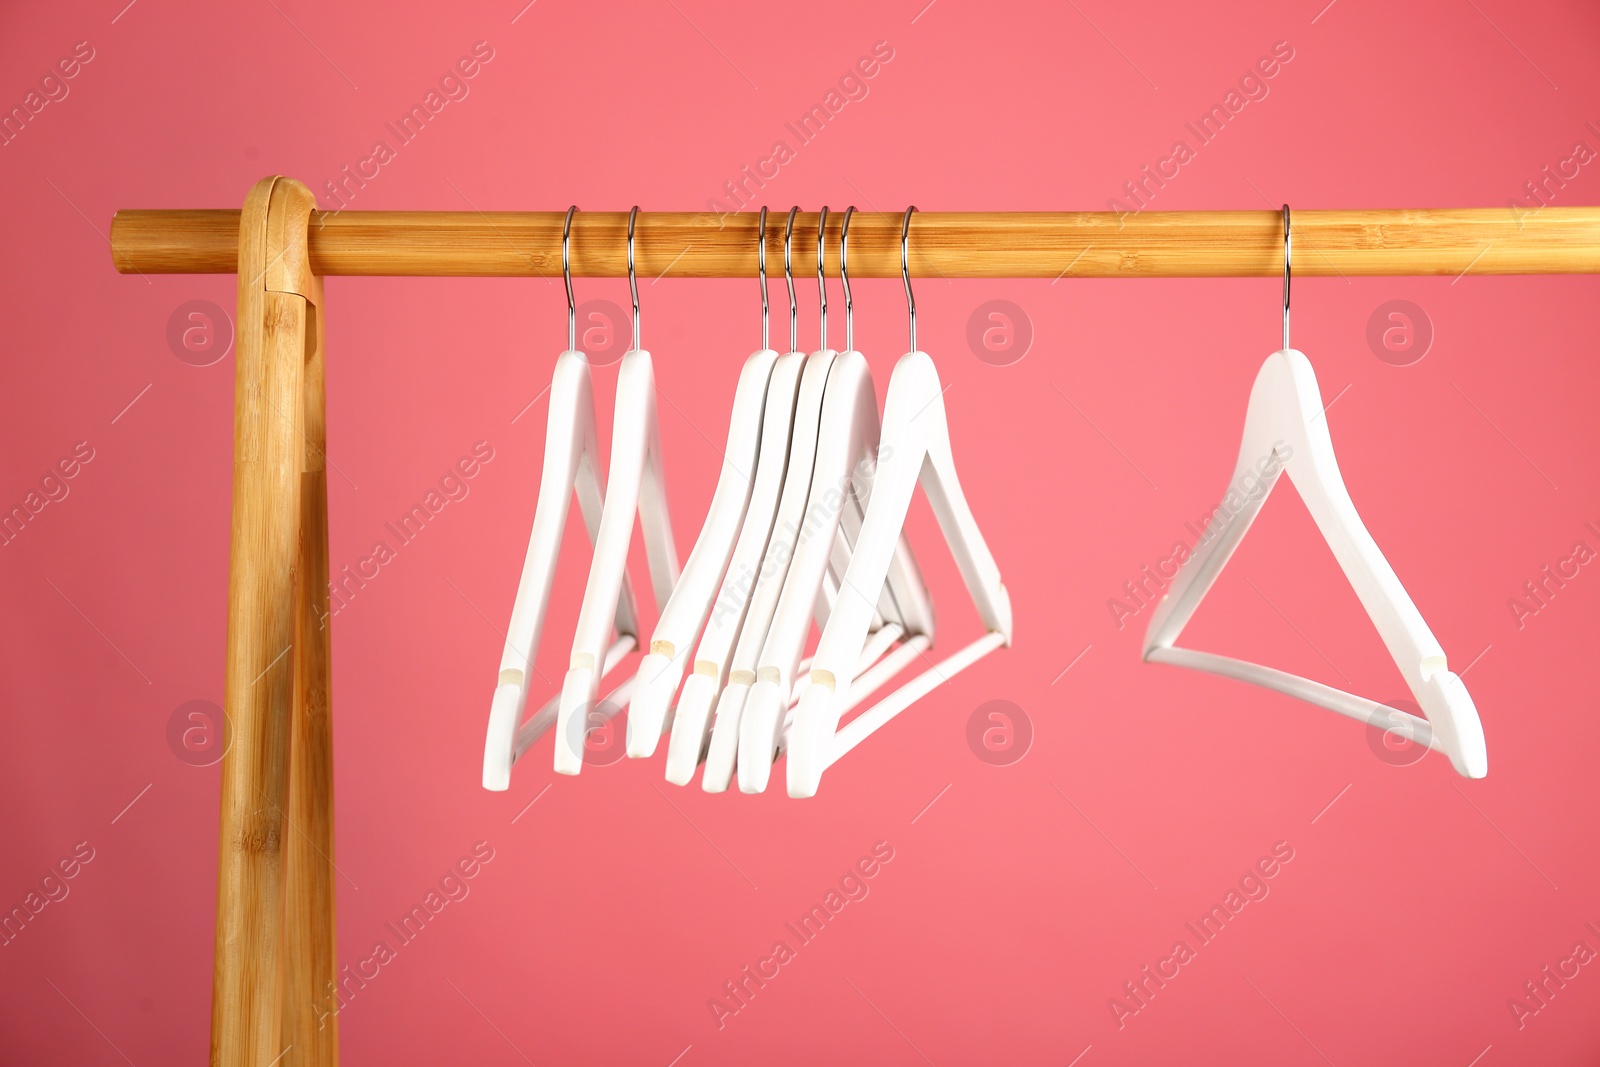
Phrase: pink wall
[1416,904]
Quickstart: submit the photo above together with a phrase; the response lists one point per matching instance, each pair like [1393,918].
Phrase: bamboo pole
[310,998]
[1440,241]
[262,665]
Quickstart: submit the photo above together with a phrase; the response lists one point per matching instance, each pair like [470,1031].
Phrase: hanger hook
[761,262]
[844,279]
[1286,257]
[905,272]
[788,277]
[633,279]
[566,273]
[822,285]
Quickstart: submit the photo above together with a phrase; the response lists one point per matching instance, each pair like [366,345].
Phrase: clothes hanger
[571,466]
[847,453]
[915,449]
[635,485]
[905,578]
[691,601]
[692,720]
[1286,431]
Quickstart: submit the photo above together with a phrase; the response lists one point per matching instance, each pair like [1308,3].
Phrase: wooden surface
[1446,241]
[261,674]
[310,1020]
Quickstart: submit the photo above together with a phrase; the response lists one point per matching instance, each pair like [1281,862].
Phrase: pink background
[1018,904]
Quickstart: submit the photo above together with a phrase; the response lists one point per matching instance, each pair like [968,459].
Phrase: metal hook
[788,277]
[822,285]
[761,260]
[1286,257]
[633,280]
[844,279]
[905,273]
[566,273]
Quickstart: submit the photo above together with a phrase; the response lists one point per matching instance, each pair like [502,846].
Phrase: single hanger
[1286,431]
[691,601]
[692,720]
[915,449]
[571,466]
[905,578]
[848,454]
[635,485]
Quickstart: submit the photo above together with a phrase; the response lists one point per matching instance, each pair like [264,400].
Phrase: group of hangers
[805,523]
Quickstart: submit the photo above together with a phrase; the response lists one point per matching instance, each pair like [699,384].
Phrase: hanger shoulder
[634,486]
[690,600]
[915,450]
[848,424]
[692,721]
[571,468]
[1315,473]
[774,568]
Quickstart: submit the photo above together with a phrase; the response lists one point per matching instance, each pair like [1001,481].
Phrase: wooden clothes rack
[273,994]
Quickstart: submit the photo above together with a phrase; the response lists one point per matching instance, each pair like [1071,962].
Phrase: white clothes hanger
[915,450]
[1286,431]
[635,484]
[691,601]
[571,465]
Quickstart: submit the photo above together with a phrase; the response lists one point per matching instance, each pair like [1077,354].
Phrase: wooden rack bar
[1092,244]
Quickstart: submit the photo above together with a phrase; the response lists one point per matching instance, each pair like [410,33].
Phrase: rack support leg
[274,964]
